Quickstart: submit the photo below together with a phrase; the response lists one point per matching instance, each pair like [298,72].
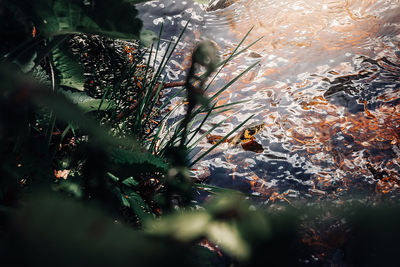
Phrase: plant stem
[126,112]
[52,114]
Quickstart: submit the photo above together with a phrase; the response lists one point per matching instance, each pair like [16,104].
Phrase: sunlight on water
[326,87]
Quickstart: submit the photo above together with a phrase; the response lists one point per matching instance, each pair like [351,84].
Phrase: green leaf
[40,75]
[127,163]
[130,182]
[70,187]
[229,238]
[71,113]
[113,18]
[186,227]
[70,73]
[85,102]
[26,62]
[88,233]
[189,227]
[125,201]
[112,177]
[147,38]
[139,207]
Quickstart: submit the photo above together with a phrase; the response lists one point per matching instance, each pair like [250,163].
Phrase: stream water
[326,86]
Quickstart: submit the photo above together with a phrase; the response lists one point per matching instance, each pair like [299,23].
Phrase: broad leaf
[147,38]
[139,207]
[129,163]
[85,102]
[113,18]
[70,72]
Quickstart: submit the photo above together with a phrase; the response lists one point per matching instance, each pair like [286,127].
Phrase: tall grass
[173,127]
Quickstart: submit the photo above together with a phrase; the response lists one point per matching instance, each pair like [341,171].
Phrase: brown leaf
[253,146]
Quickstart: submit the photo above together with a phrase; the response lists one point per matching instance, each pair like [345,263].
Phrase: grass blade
[201,124]
[232,104]
[220,141]
[102,99]
[233,80]
[208,132]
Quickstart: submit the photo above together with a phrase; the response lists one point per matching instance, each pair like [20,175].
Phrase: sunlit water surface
[326,87]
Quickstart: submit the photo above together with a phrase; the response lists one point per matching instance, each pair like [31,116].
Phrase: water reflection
[327,88]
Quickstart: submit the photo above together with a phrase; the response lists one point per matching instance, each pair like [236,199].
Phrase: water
[326,86]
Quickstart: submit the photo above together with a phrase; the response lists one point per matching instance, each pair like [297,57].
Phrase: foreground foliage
[85,179]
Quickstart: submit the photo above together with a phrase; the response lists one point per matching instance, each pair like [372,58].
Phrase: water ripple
[327,88]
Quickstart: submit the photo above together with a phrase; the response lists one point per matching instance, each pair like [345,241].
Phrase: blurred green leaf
[85,102]
[27,61]
[185,227]
[147,38]
[228,221]
[40,75]
[70,187]
[229,238]
[55,231]
[139,207]
[125,201]
[69,112]
[127,163]
[106,17]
